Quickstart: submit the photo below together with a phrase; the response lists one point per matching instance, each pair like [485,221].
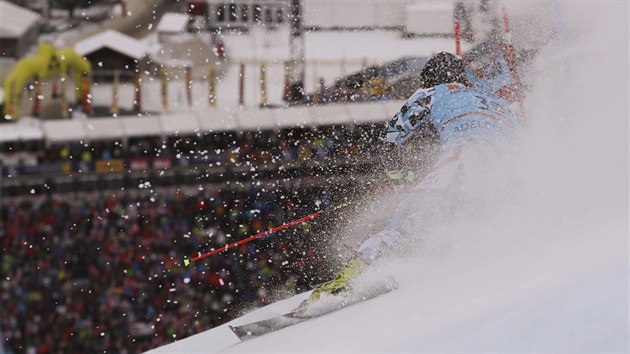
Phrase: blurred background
[135,133]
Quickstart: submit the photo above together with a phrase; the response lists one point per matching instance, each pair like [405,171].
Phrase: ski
[306,311]
[259,328]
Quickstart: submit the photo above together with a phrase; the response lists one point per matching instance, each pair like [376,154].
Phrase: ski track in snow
[543,271]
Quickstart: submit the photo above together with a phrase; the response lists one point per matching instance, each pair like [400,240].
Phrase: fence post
[319,91]
[37,94]
[87,101]
[63,105]
[287,83]
[212,83]
[164,87]
[315,76]
[12,102]
[263,85]
[241,85]
[188,78]
[137,102]
[55,88]
[113,109]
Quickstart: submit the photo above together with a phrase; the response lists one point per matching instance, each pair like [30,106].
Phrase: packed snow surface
[538,263]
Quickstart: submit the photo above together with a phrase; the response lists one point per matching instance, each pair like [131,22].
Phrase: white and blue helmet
[442,68]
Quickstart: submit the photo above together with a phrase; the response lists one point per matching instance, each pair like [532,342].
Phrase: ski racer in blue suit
[464,119]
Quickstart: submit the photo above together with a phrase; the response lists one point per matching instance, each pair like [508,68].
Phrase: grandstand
[108,207]
[110,219]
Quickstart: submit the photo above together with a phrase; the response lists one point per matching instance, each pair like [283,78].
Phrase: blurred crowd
[105,274]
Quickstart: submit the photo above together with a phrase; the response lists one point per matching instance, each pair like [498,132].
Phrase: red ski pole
[458,39]
[265,233]
[510,57]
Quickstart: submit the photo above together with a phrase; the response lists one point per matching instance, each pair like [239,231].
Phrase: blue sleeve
[494,76]
[411,117]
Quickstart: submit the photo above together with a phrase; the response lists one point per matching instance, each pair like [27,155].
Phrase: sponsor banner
[27,170]
[50,168]
[86,166]
[139,163]
[115,165]
[66,167]
[10,171]
[162,162]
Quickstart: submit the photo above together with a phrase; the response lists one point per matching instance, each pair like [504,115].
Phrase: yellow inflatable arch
[45,64]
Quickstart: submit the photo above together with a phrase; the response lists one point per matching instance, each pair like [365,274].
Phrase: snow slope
[538,262]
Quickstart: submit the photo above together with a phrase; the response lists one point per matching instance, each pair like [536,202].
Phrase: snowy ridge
[540,264]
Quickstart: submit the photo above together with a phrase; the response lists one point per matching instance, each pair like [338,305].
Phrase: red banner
[162,162]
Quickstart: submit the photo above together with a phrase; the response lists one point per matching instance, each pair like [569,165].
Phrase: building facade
[19,28]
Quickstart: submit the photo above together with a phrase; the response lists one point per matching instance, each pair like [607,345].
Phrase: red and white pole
[458,39]
[510,57]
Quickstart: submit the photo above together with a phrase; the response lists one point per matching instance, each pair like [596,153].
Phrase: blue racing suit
[464,119]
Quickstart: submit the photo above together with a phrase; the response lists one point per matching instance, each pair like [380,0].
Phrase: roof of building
[173,22]
[113,40]
[15,20]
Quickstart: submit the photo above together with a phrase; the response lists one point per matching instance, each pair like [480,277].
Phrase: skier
[465,120]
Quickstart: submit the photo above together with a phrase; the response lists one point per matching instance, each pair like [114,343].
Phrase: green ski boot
[341,281]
